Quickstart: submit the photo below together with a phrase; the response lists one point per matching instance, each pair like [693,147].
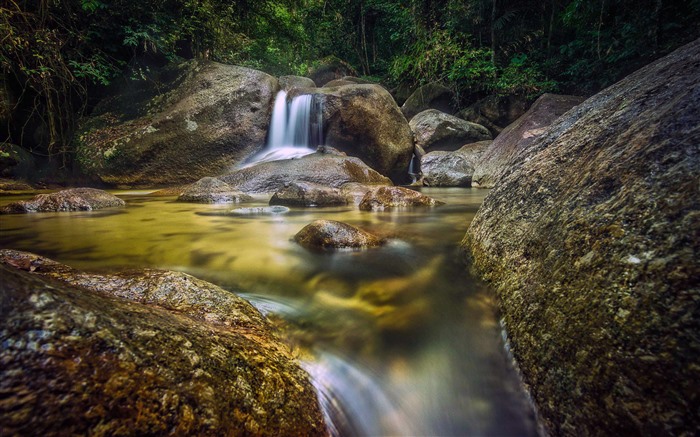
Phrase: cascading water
[296,129]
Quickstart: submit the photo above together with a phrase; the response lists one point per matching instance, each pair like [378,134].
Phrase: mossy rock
[325,169]
[72,199]
[208,117]
[331,234]
[212,190]
[592,245]
[364,121]
[141,353]
[384,198]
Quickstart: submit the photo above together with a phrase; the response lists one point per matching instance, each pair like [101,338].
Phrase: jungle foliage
[57,55]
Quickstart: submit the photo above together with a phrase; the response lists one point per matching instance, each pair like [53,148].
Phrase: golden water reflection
[407,342]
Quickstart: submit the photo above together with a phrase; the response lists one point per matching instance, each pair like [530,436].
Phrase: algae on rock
[144,352]
[592,247]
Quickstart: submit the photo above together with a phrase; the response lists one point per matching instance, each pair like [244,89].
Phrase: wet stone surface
[144,352]
[74,199]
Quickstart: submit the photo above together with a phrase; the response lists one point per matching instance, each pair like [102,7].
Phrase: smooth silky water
[399,340]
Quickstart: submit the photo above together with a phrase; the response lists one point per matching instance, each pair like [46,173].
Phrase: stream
[399,340]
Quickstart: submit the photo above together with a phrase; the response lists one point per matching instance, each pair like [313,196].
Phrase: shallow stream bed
[400,340]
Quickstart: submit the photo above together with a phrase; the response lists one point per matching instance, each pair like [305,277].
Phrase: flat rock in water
[307,194]
[141,353]
[592,247]
[354,192]
[395,197]
[73,199]
[330,234]
[320,168]
[212,190]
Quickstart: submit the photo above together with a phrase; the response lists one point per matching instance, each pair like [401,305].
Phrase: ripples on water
[398,340]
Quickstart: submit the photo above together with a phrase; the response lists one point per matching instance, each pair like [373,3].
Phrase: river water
[399,340]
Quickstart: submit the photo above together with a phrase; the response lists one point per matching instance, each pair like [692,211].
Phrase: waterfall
[296,129]
[278,124]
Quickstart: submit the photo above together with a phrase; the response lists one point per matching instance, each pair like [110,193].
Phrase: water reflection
[399,339]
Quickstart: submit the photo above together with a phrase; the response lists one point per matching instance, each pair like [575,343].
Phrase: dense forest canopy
[57,55]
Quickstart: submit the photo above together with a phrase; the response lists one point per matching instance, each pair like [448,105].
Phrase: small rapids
[354,401]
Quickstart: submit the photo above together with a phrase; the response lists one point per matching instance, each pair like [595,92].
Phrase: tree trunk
[551,27]
[600,26]
[656,27]
[493,32]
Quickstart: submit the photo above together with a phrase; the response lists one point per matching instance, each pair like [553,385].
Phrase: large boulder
[331,234]
[395,197]
[307,194]
[347,80]
[208,117]
[212,190]
[365,122]
[452,169]
[72,199]
[512,145]
[289,82]
[321,168]
[592,247]
[496,112]
[16,162]
[430,96]
[436,130]
[141,353]
[330,68]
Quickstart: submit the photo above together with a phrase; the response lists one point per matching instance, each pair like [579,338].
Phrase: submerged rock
[364,121]
[430,96]
[147,352]
[512,145]
[435,130]
[212,190]
[395,197]
[261,210]
[452,169]
[308,194]
[170,191]
[592,247]
[73,199]
[331,234]
[206,117]
[354,192]
[321,168]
